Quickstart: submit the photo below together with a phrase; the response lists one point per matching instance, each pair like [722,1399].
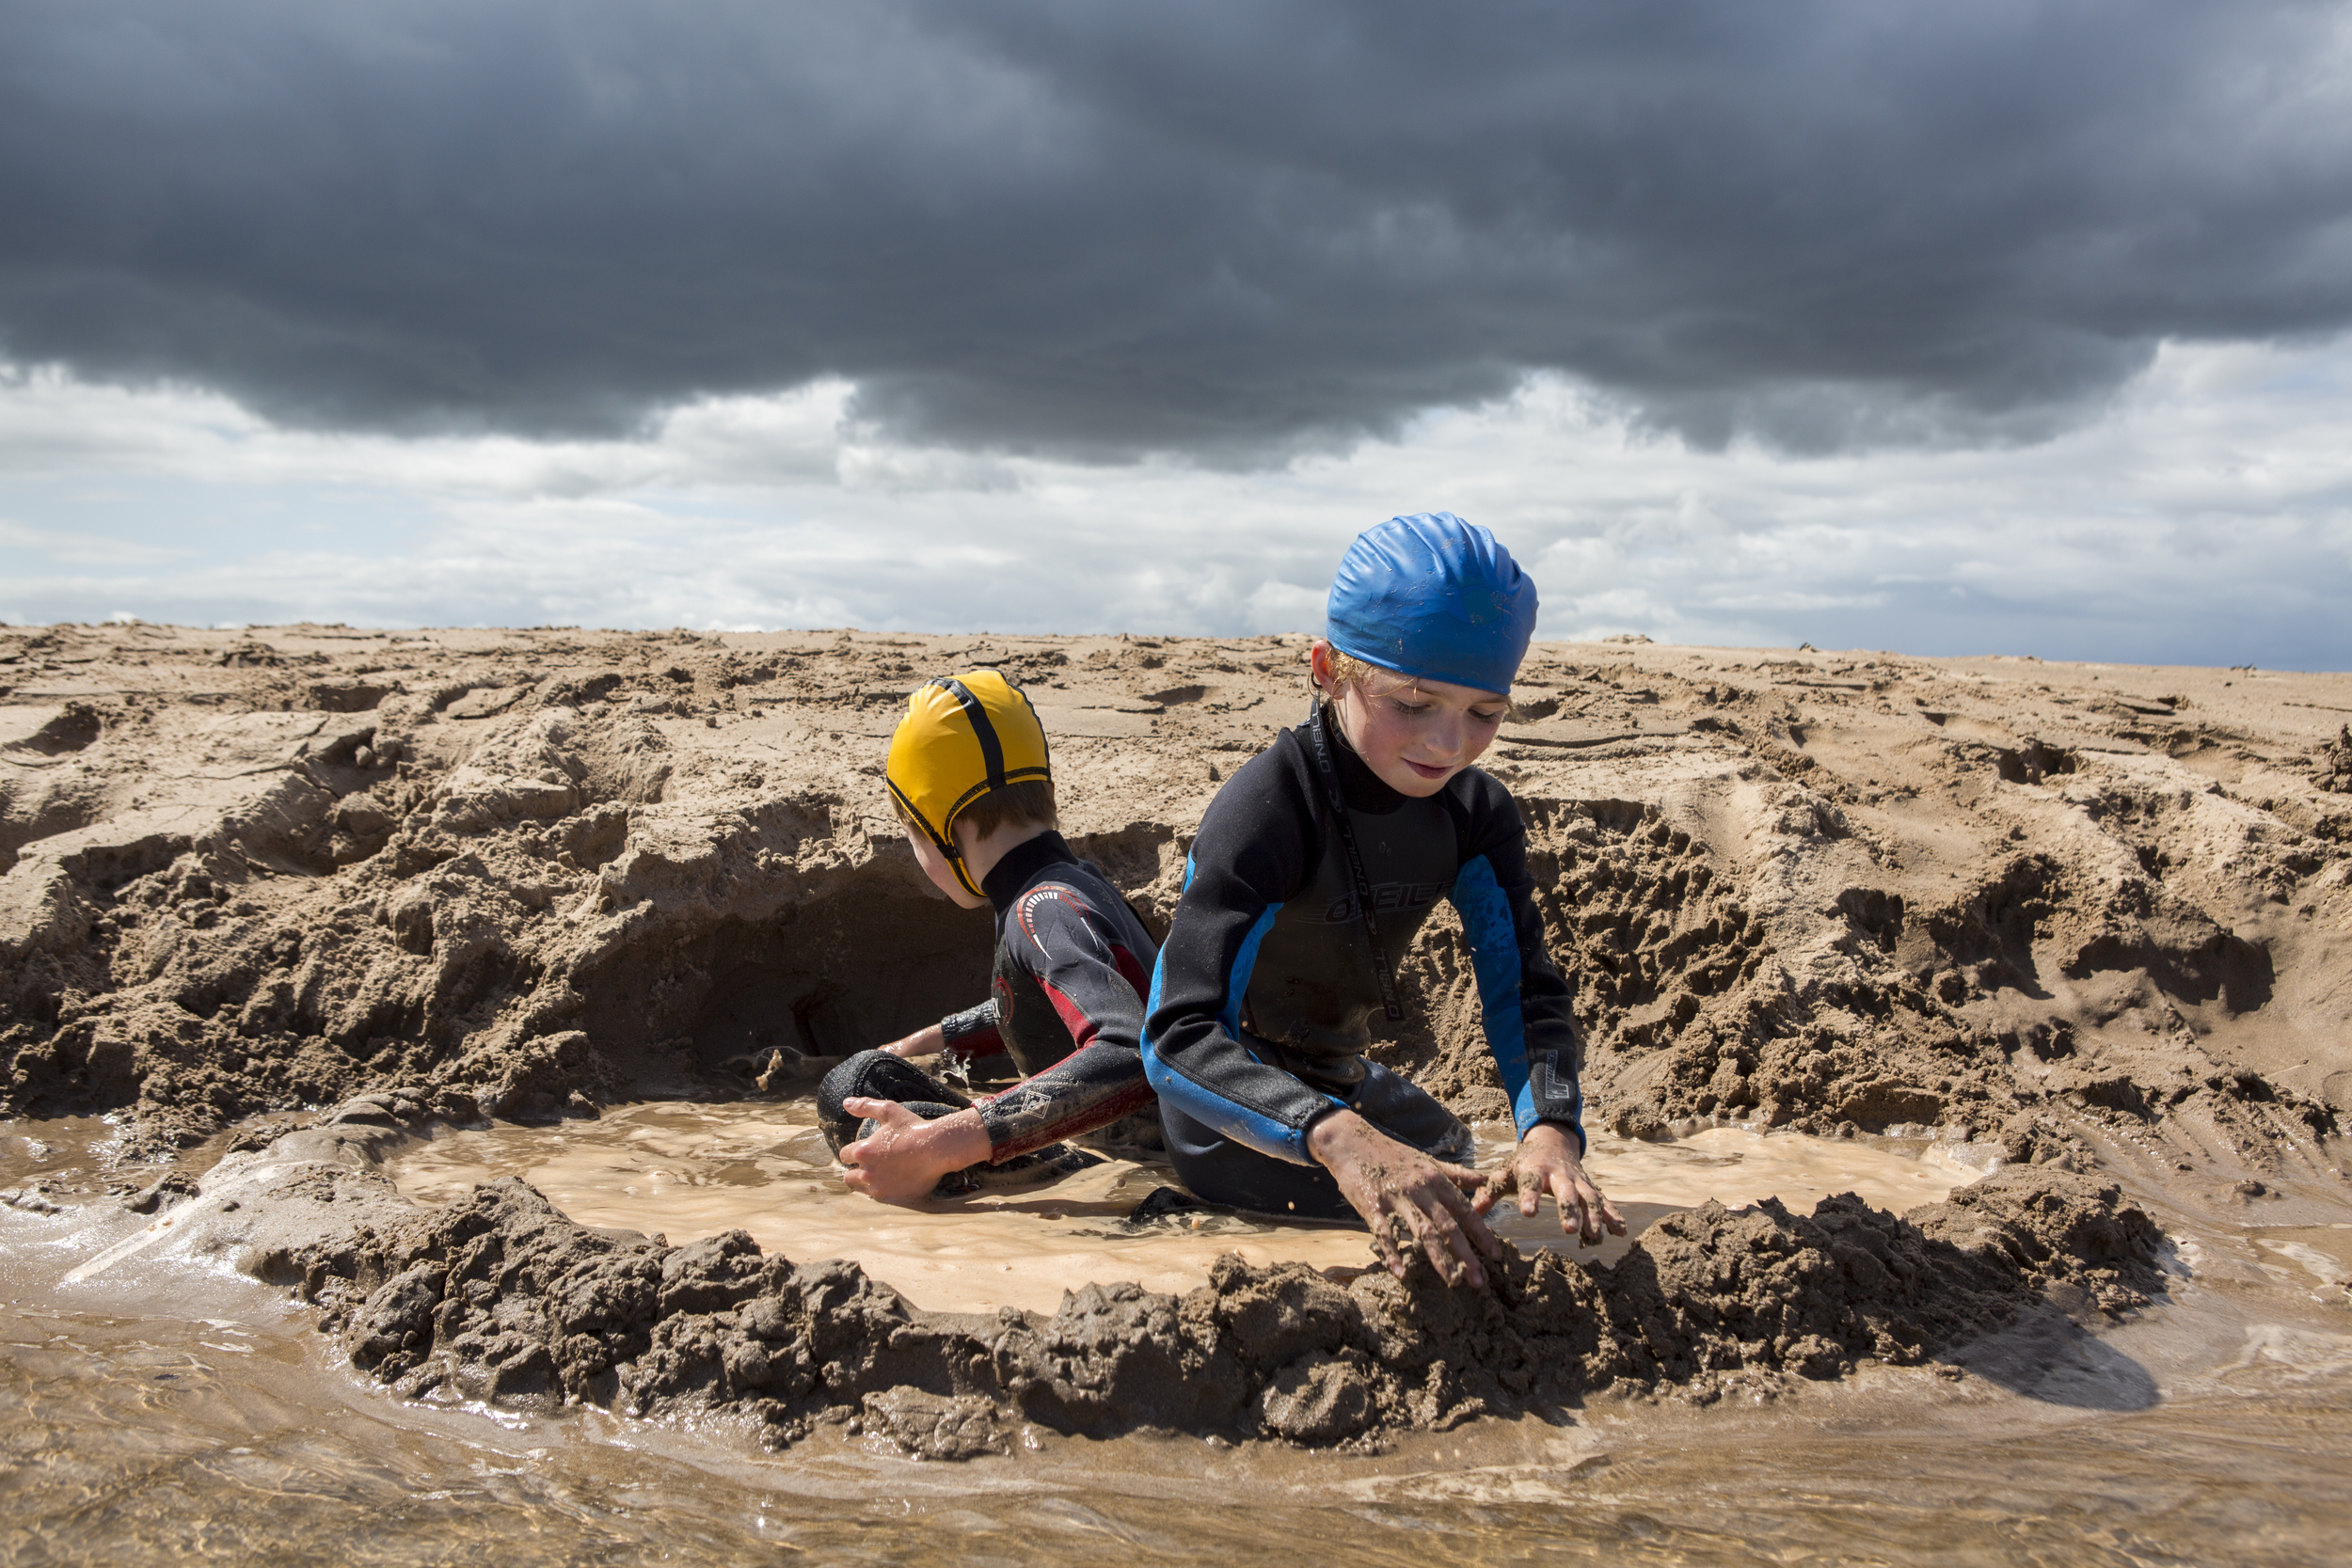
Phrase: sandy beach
[288,900]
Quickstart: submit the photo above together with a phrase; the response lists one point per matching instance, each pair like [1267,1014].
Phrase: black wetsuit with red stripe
[1072,967]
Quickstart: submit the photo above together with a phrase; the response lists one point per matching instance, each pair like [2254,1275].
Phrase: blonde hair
[1029,802]
[1375,680]
[1347,670]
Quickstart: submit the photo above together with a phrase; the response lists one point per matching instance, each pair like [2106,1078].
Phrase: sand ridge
[2056,917]
[256,870]
[2069,918]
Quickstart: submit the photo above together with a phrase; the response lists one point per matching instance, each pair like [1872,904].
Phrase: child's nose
[1446,735]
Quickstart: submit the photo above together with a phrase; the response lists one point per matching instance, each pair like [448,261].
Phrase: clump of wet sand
[500,1297]
[2088,918]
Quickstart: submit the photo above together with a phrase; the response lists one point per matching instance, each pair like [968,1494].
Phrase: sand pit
[689,1171]
[496,1297]
[2089,922]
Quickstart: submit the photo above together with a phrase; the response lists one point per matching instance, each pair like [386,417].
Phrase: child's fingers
[1562,1186]
[1587,1203]
[1424,1236]
[1449,1250]
[1601,1213]
[1473,1225]
[1592,1211]
[1460,1184]
[1465,1234]
[1409,1217]
[1493,1188]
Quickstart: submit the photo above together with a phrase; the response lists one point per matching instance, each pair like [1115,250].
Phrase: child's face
[1417,733]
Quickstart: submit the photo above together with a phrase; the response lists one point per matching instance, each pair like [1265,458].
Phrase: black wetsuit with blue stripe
[1262,998]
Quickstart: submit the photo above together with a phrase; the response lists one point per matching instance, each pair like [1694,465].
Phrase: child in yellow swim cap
[970,777]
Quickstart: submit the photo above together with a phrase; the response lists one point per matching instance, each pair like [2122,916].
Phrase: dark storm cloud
[1227,229]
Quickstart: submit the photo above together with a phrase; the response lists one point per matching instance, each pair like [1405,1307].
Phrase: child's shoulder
[1075,887]
[1482,806]
[1069,871]
[1283,767]
[1476,784]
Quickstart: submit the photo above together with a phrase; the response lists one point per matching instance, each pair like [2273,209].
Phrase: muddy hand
[1547,1162]
[904,1156]
[1397,1188]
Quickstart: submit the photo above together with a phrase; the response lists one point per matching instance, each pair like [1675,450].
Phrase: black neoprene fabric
[1262,998]
[1071,965]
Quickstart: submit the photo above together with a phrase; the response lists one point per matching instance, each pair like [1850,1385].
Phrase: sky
[2007,329]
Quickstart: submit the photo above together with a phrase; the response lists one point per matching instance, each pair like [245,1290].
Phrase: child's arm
[1249,854]
[1243,864]
[1529,1027]
[1087,969]
[966,1037]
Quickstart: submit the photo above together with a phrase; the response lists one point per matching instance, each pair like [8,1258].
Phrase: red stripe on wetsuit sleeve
[1073,1018]
[972,1046]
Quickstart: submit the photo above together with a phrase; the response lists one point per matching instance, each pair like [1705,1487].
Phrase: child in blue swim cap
[1314,866]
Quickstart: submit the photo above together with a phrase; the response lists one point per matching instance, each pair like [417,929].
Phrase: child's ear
[1319,666]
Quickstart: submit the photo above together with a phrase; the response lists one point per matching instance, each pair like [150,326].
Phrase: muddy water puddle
[165,1418]
[687,1171]
[156,1414]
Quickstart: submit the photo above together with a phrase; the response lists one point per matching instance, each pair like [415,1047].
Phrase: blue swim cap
[1434,596]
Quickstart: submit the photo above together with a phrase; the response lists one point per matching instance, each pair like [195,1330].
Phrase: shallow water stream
[150,1413]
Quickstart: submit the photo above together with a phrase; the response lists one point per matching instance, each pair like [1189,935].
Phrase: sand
[2070,918]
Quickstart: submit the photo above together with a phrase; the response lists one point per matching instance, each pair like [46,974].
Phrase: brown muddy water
[688,1171]
[173,1416]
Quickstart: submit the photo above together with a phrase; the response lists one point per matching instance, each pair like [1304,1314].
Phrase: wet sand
[602,890]
[183,1416]
[244,873]
[688,1171]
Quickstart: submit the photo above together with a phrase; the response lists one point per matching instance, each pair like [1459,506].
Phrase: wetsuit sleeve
[972,1033]
[1529,1027]
[1096,983]
[1250,857]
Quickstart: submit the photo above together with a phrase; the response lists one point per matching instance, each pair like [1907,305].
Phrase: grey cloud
[1233,228]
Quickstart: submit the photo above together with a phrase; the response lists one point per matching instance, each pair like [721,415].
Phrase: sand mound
[501,1298]
[2070,915]
[533,871]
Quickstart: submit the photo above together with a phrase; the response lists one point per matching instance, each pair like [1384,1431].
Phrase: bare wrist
[928,1041]
[1571,1142]
[958,1140]
[1328,1131]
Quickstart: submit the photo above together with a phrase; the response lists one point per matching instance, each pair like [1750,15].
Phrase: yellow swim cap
[962,737]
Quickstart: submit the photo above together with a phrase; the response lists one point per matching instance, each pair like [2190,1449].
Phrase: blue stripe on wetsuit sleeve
[1494,945]
[1159,972]
[1214,1111]
[1203,1106]
[1237,986]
